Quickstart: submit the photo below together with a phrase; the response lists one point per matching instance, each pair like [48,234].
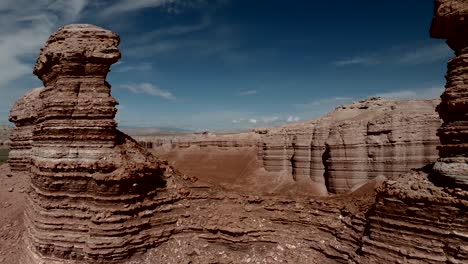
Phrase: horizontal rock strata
[341,150]
[23,114]
[417,222]
[450,23]
[90,184]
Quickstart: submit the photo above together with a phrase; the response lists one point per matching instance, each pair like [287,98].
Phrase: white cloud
[26,25]
[292,119]
[408,55]
[248,92]
[427,93]
[123,6]
[324,102]
[150,89]
[253,121]
[358,60]
[426,54]
[271,119]
[120,67]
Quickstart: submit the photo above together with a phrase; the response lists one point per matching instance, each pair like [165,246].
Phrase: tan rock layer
[341,150]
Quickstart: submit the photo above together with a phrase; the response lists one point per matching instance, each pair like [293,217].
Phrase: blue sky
[236,64]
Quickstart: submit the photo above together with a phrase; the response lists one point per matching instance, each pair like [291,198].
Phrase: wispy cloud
[292,119]
[426,54]
[270,119]
[358,60]
[121,67]
[324,102]
[26,25]
[150,89]
[248,92]
[266,120]
[122,6]
[408,55]
[427,93]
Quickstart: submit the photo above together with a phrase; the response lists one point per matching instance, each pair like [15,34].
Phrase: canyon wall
[341,150]
[423,217]
[96,196]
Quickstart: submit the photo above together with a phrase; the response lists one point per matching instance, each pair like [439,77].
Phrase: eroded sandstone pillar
[91,185]
[23,114]
[451,22]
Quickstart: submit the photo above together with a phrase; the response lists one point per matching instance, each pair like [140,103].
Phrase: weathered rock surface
[96,196]
[417,222]
[450,23]
[341,150]
[23,114]
[90,184]
[414,219]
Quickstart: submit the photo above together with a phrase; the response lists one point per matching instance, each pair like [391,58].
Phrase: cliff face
[341,150]
[415,219]
[449,23]
[88,180]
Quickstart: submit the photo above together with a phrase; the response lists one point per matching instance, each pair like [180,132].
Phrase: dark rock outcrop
[450,23]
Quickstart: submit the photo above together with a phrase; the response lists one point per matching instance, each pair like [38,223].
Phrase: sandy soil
[12,197]
[237,169]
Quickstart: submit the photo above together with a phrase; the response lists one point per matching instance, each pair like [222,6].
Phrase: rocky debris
[341,150]
[90,183]
[450,23]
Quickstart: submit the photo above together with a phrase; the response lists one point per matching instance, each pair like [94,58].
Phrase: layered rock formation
[199,140]
[96,196]
[356,143]
[415,220]
[341,150]
[449,23]
[23,114]
[90,184]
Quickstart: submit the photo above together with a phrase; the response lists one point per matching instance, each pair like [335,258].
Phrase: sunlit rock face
[89,182]
[356,143]
[451,22]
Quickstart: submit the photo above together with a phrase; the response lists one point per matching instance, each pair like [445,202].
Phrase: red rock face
[450,22]
[88,180]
